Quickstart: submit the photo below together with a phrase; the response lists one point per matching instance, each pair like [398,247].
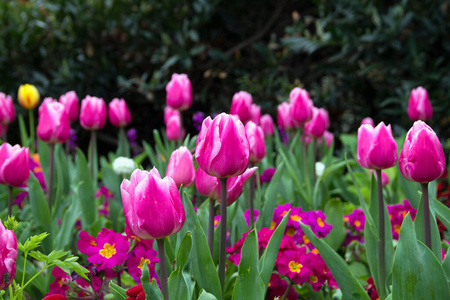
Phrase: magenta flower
[284,117]
[173,128]
[8,256]
[318,224]
[301,106]
[293,264]
[179,92]
[356,219]
[105,192]
[14,165]
[255,217]
[181,167]
[419,105]
[267,124]
[118,113]
[319,122]
[368,121]
[397,213]
[267,175]
[61,283]
[111,249]
[277,288]
[54,124]
[7,110]
[70,102]
[169,112]
[256,114]
[256,141]
[137,258]
[241,106]
[93,113]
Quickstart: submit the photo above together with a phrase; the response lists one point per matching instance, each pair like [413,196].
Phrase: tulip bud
[93,113]
[267,124]
[70,102]
[223,148]
[209,186]
[376,147]
[256,114]
[284,118]
[7,110]
[173,128]
[181,167]
[328,138]
[54,125]
[169,112]
[255,137]
[422,158]
[8,250]
[368,120]
[419,106]
[301,106]
[118,113]
[14,165]
[241,106]
[318,124]
[320,168]
[152,206]
[179,92]
[123,166]
[28,96]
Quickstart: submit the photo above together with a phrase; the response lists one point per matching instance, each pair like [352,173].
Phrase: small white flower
[123,165]
[320,168]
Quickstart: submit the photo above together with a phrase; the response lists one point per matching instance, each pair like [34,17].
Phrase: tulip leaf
[68,220]
[85,191]
[446,265]
[410,190]
[118,292]
[112,181]
[179,280]
[420,229]
[442,212]
[203,267]
[335,216]
[271,195]
[23,130]
[417,273]
[349,285]
[204,295]
[249,284]
[151,288]
[38,201]
[269,256]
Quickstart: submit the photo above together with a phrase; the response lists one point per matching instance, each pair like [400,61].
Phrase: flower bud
[419,106]
[54,125]
[422,158]
[320,168]
[284,118]
[241,106]
[152,206]
[8,251]
[7,110]
[301,106]
[222,147]
[318,124]
[181,167]
[256,141]
[376,147]
[70,102]
[169,112]
[179,92]
[256,114]
[28,96]
[328,138]
[173,128]
[368,120]
[14,165]
[267,124]
[123,166]
[93,113]
[118,113]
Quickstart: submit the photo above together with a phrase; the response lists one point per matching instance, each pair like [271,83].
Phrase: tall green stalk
[211,226]
[426,214]
[163,270]
[223,232]
[382,242]
[93,146]
[50,177]
[32,133]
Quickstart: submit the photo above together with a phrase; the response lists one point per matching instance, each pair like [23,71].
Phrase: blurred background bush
[357,58]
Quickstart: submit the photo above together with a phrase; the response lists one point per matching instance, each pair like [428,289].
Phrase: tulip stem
[251,199]
[382,243]
[181,128]
[286,293]
[163,270]
[314,141]
[123,143]
[223,232]
[50,176]
[426,214]
[93,145]
[305,151]
[211,227]
[10,200]
[31,118]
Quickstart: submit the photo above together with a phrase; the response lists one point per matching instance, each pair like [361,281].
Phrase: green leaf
[204,295]
[269,256]
[271,195]
[23,130]
[335,216]
[118,292]
[203,267]
[151,289]
[446,265]
[68,220]
[179,281]
[442,212]
[85,191]
[349,285]
[420,229]
[249,284]
[38,201]
[417,274]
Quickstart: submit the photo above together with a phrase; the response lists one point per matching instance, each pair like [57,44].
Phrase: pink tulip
[241,106]
[319,123]
[422,158]
[419,106]
[179,92]
[222,146]
[46,100]
[169,112]
[284,118]
[7,110]
[376,147]
[328,138]
[384,178]
[93,113]
[256,114]
[368,120]
[301,106]
[14,165]
[70,102]
[267,124]
[181,167]
[255,137]
[173,128]
[152,206]
[118,113]
[54,125]
[8,256]
[209,186]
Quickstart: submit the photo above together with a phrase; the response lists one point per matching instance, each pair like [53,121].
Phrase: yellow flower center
[345,219]
[290,231]
[93,243]
[108,250]
[315,251]
[143,261]
[296,218]
[61,282]
[313,278]
[305,239]
[284,213]
[357,223]
[397,228]
[320,222]
[295,266]
[273,225]
[216,222]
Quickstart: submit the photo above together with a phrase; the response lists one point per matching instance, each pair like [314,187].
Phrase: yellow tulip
[28,96]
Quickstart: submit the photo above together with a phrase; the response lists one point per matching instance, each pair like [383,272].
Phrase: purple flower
[247,216]
[197,119]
